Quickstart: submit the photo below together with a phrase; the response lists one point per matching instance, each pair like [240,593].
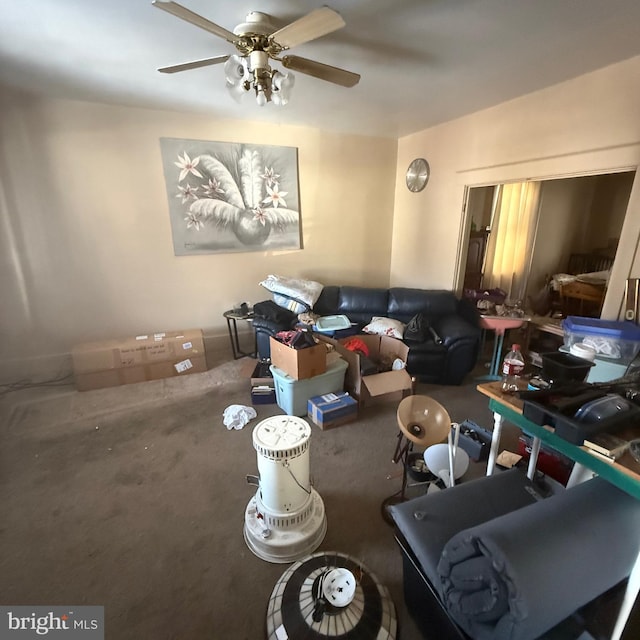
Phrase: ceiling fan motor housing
[256,23]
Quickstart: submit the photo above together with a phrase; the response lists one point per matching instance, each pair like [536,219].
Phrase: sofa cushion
[404,303]
[360,304]
[327,303]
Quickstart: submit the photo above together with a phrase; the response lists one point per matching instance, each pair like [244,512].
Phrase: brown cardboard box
[110,363]
[299,363]
[386,386]
[261,375]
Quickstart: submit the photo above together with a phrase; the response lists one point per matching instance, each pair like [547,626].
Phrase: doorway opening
[561,230]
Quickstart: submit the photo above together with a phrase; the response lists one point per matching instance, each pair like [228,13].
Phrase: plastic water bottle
[512,368]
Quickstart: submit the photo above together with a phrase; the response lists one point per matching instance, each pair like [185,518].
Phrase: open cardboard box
[300,364]
[386,386]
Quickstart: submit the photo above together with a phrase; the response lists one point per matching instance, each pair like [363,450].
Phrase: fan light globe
[236,75]
[234,69]
[282,84]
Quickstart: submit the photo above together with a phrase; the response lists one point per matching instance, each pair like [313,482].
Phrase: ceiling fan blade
[196,64]
[321,71]
[315,24]
[179,11]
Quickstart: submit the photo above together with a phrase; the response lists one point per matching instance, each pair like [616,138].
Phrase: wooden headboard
[589,262]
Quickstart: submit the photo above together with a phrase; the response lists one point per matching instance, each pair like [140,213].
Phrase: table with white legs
[624,473]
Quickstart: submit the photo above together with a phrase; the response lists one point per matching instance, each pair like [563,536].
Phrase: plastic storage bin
[558,367]
[616,339]
[292,395]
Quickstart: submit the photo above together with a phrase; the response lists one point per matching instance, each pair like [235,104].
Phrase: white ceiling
[422,61]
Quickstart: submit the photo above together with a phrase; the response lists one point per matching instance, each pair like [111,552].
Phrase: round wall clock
[417,175]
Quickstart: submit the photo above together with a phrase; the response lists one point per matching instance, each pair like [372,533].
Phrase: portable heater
[285,520]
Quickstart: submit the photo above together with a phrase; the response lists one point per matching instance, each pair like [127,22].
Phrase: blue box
[332,409]
[615,339]
[292,395]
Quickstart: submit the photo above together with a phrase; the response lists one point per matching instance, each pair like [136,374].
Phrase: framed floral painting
[229,197]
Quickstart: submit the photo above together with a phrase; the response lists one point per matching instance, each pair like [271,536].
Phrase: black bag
[417,329]
[271,311]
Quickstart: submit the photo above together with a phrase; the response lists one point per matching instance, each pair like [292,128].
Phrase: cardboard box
[332,410]
[300,364]
[386,386]
[110,363]
[262,375]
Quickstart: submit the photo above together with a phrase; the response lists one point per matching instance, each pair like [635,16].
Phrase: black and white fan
[257,42]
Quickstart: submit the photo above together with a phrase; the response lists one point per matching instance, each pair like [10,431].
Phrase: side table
[499,324]
[232,316]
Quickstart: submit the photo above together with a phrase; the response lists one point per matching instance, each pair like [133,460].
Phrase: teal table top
[623,473]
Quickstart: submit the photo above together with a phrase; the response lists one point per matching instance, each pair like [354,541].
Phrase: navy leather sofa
[444,359]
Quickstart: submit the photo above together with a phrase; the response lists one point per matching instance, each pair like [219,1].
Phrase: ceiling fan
[257,42]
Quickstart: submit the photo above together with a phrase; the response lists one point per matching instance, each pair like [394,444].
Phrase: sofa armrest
[469,311]
[453,328]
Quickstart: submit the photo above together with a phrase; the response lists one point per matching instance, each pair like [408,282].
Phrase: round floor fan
[258,41]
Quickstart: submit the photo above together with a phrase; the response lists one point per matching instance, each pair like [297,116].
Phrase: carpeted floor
[134,497]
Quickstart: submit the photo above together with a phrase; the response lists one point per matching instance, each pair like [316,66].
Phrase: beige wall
[587,125]
[85,236]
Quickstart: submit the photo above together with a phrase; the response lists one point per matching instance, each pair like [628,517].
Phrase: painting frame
[229,197]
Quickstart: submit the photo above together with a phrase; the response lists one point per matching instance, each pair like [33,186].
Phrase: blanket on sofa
[516,576]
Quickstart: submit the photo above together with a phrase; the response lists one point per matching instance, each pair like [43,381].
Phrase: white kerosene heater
[285,520]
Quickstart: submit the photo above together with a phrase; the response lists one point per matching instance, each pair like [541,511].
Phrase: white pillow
[385,327]
[296,295]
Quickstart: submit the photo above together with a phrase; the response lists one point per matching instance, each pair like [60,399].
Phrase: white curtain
[513,229]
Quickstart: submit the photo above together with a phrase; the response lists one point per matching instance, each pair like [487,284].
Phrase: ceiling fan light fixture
[235,69]
[262,86]
[261,96]
[257,43]
[282,85]
[237,76]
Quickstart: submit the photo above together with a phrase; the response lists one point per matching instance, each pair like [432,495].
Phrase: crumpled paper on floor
[236,416]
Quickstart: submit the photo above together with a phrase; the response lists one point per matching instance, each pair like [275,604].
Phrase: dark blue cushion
[404,303]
